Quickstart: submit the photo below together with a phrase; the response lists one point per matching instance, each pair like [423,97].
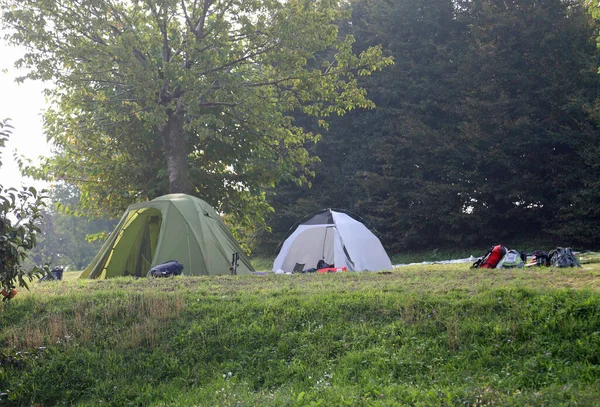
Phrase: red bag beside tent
[491,259]
[332,269]
[494,257]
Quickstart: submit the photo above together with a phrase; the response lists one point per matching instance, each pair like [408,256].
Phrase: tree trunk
[176,152]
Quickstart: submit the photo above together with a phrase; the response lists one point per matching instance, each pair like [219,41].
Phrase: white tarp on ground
[337,239]
[468,260]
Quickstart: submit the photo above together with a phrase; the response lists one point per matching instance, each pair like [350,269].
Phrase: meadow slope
[437,335]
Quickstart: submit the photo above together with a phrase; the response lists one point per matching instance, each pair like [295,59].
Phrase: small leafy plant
[19,212]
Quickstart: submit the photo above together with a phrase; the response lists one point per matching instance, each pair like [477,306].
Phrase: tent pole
[325,241]
[187,231]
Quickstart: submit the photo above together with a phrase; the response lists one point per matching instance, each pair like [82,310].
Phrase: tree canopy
[158,96]
[485,128]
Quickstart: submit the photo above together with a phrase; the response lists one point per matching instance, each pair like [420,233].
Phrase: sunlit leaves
[227,76]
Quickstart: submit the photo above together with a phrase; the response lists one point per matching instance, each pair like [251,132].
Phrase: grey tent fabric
[322,218]
[336,238]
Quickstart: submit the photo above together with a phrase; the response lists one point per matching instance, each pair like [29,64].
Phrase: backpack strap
[482,259]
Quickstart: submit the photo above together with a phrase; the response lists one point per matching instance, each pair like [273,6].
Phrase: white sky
[24,104]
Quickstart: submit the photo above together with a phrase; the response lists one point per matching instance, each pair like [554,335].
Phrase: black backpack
[323,265]
[541,258]
[168,269]
[55,274]
[563,257]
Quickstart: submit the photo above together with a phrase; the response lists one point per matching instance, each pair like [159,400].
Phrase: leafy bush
[19,211]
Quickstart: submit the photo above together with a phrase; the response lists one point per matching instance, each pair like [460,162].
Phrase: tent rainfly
[337,239]
[171,227]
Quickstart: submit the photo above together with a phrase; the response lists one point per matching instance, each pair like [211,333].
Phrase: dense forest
[484,128]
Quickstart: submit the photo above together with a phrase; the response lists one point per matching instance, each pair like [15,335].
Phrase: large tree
[191,96]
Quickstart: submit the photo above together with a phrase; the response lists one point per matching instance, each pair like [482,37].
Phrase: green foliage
[537,129]
[65,238]
[262,263]
[187,96]
[20,212]
[431,336]
[485,128]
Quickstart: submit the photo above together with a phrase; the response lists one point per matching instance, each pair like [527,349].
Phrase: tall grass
[438,335]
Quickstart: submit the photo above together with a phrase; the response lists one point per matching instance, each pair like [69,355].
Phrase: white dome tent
[336,238]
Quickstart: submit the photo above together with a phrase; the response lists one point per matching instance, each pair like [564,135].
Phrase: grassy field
[436,335]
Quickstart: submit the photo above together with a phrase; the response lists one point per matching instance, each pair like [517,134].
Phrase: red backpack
[491,258]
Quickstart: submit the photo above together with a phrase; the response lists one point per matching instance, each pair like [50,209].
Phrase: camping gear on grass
[491,258]
[337,239]
[588,257]
[235,263]
[541,258]
[55,274]
[168,269]
[512,259]
[323,267]
[175,226]
[563,257]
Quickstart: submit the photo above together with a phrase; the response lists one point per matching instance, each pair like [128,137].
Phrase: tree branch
[188,20]
[199,28]
[239,60]
[208,104]
[162,25]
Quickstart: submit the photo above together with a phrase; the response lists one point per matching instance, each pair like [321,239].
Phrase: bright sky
[24,104]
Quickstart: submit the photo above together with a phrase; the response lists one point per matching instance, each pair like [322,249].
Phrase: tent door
[331,234]
[139,237]
[148,239]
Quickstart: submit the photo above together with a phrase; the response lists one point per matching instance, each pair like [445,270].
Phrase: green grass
[262,263]
[437,335]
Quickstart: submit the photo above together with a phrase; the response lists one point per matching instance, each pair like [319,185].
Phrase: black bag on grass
[55,274]
[563,257]
[541,258]
[168,269]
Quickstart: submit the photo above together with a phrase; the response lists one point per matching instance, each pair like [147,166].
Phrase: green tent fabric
[171,227]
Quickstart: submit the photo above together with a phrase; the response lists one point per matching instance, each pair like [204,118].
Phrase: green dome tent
[171,227]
